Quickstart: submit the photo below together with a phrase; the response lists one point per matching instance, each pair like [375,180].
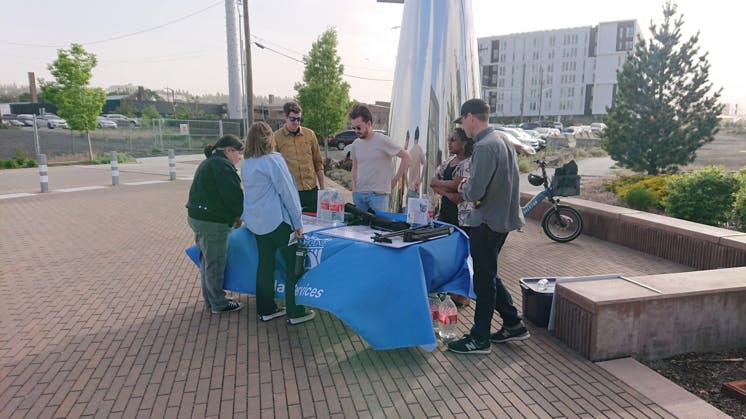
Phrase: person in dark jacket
[214,207]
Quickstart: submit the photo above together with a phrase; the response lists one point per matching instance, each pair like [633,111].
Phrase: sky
[181,44]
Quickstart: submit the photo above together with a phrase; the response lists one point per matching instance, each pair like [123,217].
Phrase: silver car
[51,121]
[121,120]
[105,123]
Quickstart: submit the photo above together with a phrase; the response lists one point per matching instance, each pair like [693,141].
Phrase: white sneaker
[267,317]
[310,314]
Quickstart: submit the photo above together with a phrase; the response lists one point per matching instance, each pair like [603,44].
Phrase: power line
[262,46]
[114,38]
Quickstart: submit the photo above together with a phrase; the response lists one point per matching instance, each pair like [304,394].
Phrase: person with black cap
[493,187]
[214,207]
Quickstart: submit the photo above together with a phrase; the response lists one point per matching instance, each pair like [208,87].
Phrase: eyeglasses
[295,118]
[358,127]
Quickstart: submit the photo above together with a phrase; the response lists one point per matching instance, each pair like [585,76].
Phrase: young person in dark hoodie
[214,207]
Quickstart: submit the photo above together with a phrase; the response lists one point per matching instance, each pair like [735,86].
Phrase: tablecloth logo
[314,249]
[312,292]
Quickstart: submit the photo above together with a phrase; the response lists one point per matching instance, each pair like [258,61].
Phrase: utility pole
[249,78]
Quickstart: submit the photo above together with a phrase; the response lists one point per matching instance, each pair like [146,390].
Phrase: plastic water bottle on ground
[448,316]
[434,300]
[542,284]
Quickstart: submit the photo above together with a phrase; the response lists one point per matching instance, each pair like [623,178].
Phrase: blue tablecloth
[380,292]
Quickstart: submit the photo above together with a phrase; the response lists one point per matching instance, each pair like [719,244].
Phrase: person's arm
[285,186]
[354,174]
[318,162]
[483,167]
[422,162]
[403,166]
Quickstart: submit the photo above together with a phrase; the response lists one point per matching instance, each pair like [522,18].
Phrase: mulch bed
[703,375]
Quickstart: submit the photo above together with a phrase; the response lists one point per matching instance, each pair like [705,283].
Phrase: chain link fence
[151,137]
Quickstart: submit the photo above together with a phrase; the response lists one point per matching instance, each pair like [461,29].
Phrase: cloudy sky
[181,44]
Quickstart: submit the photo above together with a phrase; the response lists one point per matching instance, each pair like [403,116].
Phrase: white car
[517,144]
[51,121]
[598,127]
[521,136]
[105,123]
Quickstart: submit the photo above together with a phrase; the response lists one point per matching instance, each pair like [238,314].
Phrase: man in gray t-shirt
[371,156]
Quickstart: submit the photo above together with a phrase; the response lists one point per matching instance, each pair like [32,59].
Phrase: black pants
[489,288]
[308,199]
[268,245]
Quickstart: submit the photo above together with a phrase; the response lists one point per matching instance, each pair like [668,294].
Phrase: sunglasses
[358,127]
[295,118]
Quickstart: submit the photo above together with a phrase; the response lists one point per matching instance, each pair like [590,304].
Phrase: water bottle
[448,316]
[434,300]
[542,284]
[300,259]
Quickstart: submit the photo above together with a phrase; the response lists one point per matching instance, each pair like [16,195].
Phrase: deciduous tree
[323,94]
[69,92]
[665,109]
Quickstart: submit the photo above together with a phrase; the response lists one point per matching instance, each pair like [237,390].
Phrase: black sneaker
[310,314]
[510,335]
[469,345]
[277,313]
[232,306]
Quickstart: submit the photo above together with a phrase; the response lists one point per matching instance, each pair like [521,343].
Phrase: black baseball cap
[473,106]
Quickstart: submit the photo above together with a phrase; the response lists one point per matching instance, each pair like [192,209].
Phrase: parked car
[521,136]
[121,120]
[26,119]
[105,123]
[51,121]
[343,139]
[517,144]
[597,127]
[547,132]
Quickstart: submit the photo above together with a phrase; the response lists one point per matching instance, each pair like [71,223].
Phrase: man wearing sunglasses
[299,147]
[371,162]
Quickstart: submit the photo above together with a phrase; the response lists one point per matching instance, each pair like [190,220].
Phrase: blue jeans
[491,292]
[212,241]
[379,202]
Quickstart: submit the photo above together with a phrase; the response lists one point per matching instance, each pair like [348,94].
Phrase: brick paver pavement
[101,316]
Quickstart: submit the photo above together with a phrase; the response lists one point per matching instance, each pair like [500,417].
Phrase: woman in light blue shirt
[272,211]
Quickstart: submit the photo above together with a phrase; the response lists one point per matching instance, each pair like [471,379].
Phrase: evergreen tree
[69,92]
[323,94]
[664,109]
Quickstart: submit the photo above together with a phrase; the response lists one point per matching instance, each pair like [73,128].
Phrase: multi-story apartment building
[555,73]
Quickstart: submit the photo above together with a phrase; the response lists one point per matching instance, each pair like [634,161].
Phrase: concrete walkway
[101,315]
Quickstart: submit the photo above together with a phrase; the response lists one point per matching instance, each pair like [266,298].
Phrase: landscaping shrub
[656,185]
[640,198]
[705,196]
[10,164]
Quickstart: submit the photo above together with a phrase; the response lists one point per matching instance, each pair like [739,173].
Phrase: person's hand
[417,186]
[394,182]
[298,232]
[238,223]
[461,184]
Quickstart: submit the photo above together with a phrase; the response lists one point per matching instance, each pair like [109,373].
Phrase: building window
[495,50]
[492,100]
[625,36]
